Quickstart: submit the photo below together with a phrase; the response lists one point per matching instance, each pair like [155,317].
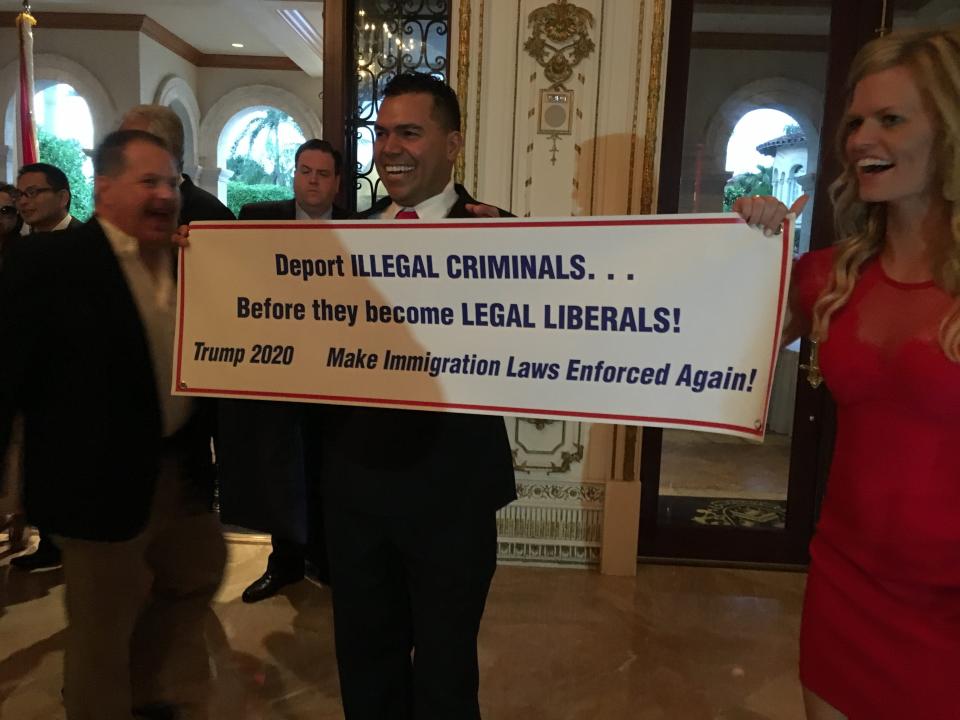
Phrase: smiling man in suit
[410,497]
[116,467]
[264,479]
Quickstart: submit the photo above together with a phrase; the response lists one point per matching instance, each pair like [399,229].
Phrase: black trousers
[408,595]
[289,557]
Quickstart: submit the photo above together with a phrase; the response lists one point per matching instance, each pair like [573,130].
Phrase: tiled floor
[712,465]
[672,643]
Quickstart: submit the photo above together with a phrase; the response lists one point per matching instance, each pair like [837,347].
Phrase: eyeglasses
[31,192]
[8,210]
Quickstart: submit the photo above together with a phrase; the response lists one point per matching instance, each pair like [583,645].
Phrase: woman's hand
[482,211]
[181,237]
[766,212]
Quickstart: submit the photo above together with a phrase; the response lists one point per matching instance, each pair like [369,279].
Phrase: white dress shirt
[302,214]
[156,299]
[434,208]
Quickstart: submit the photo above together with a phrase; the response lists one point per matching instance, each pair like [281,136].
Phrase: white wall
[214,83]
[157,63]
[726,84]
[115,70]
[111,56]
[597,169]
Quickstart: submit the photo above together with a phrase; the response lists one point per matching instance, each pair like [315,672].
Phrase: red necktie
[407,215]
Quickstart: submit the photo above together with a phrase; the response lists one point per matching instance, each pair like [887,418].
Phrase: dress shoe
[47,555]
[156,711]
[267,586]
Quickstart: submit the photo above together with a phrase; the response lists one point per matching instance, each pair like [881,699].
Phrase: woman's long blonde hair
[933,57]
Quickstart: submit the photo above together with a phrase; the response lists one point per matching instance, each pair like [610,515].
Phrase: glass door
[748,82]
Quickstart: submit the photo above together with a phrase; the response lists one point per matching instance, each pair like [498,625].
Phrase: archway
[213,157]
[50,70]
[258,146]
[66,139]
[175,93]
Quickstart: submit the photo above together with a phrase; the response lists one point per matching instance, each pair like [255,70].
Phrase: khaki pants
[136,609]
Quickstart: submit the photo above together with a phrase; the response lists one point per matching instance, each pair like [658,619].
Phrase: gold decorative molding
[596,114]
[516,91]
[636,110]
[653,107]
[566,460]
[463,80]
[550,453]
[476,129]
[560,39]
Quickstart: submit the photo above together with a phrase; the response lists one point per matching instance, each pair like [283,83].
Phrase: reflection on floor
[710,465]
[674,642]
[726,512]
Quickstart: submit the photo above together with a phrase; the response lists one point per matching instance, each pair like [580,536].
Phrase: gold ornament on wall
[560,39]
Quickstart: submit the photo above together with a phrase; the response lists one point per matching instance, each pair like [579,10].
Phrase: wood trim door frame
[339,91]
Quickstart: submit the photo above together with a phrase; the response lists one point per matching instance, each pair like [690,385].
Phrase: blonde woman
[881,624]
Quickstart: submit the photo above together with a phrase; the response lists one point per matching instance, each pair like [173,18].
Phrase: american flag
[29,149]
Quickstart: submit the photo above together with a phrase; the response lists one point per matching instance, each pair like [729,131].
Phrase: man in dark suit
[262,467]
[195,202]
[116,467]
[410,498]
[43,200]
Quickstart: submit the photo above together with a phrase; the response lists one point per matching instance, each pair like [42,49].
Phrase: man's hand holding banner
[671,321]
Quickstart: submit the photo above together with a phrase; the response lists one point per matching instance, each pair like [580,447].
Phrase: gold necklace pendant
[814,376]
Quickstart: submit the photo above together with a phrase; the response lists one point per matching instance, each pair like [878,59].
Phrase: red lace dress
[881,622]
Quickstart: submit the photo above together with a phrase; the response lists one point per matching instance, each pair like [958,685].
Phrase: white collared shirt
[302,214]
[434,208]
[62,225]
[156,301]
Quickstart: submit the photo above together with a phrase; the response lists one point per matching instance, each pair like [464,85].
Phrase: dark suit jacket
[197,204]
[76,363]
[260,445]
[279,210]
[398,462]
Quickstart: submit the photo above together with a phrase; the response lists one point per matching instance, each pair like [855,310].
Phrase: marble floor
[712,465]
[671,643]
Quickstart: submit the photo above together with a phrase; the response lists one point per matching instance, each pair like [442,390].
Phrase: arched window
[189,139]
[66,137]
[763,149]
[752,170]
[258,145]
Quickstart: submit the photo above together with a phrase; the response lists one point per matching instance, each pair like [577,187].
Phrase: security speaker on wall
[556,112]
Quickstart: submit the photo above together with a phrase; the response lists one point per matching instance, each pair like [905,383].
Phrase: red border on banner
[786,246]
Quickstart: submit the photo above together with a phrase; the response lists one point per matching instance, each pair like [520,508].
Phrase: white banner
[671,321]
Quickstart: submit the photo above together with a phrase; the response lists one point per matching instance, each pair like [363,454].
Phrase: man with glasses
[45,196]
[43,199]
